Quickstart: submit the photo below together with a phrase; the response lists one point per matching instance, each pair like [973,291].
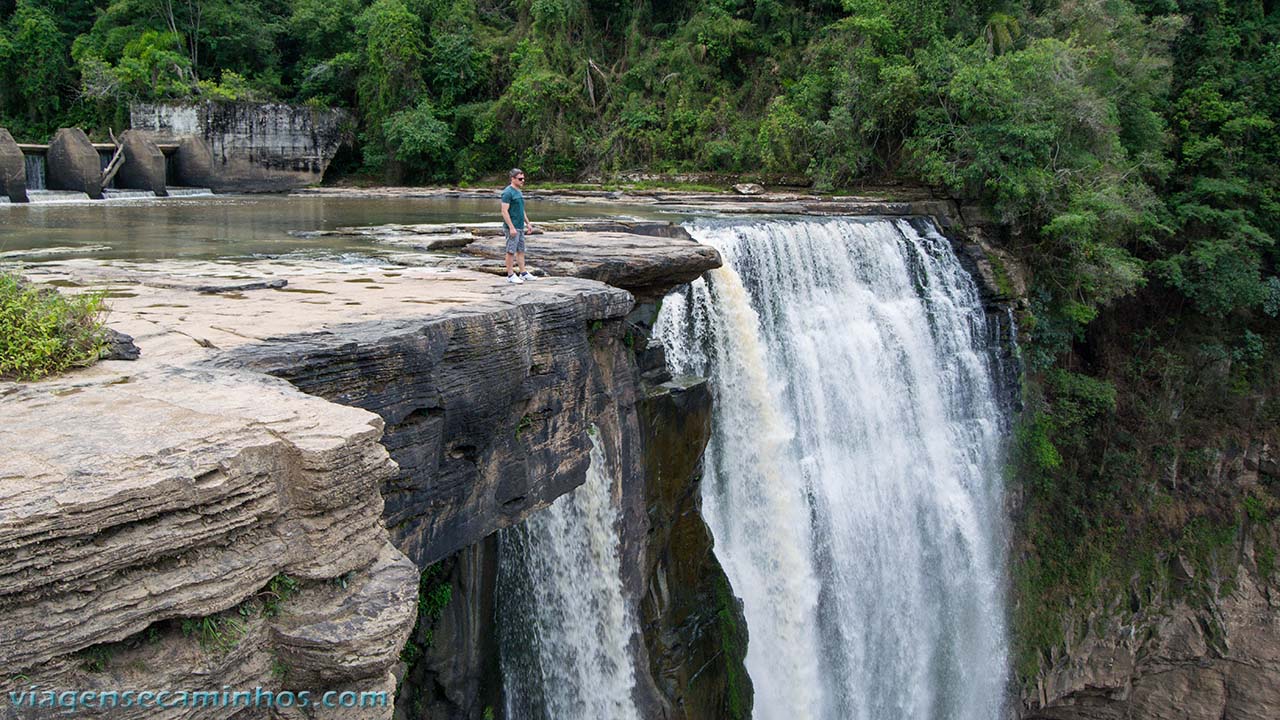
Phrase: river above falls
[229,227]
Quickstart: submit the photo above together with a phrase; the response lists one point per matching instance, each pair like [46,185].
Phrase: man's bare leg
[519,262]
[509,263]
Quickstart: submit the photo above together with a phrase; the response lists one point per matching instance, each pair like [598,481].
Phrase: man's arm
[528,224]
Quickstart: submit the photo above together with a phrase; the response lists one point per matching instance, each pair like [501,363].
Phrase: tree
[391,76]
[37,56]
[149,68]
[421,141]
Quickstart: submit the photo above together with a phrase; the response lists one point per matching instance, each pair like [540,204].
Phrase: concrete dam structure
[224,147]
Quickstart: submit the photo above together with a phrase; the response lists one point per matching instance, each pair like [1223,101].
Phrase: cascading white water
[114,194]
[35,171]
[188,192]
[853,478]
[563,621]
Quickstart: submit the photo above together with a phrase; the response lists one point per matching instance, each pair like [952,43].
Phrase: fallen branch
[116,161]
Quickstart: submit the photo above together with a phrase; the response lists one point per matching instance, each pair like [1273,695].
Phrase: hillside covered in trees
[1128,147]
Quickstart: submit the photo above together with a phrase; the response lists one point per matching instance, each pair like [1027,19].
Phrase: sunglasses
[519,177]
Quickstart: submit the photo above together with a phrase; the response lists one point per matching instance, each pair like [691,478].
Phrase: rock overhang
[195,455]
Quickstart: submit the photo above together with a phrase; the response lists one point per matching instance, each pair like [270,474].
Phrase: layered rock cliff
[1178,614]
[1196,637]
[308,464]
[183,530]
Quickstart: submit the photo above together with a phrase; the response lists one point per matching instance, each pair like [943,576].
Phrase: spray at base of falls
[565,626]
[852,481]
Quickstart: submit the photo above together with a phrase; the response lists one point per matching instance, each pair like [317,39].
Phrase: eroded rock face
[692,638]
[209,480]
[692,623]
[486,407]
[1175,661]
[1200,641]
[152,509]
[183,496]
[459,675]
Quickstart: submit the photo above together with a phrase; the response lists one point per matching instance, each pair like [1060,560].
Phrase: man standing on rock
[515,223]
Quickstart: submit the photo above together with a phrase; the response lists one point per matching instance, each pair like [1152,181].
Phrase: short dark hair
[514,172]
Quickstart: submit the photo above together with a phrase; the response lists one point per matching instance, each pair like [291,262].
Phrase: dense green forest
[1128,147]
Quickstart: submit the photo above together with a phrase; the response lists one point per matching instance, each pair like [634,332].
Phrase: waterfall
[35,171]
[852,482]
[564,624]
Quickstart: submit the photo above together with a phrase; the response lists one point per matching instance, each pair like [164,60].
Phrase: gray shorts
[515,244]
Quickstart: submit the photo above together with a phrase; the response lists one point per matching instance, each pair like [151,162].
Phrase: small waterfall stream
[35,171]
[564,624]
[853,480]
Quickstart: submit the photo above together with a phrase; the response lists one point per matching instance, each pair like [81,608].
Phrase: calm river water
[246,226]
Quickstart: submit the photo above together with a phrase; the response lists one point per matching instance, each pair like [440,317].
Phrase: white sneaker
[527,276]
[515,280]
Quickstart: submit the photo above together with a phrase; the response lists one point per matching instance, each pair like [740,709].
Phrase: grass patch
[526,422]
[96,658]
[43,332]
[221,632]
[276,593]
[733,651]
[434,594]
[216,633]
[1004,284]
[1266,556]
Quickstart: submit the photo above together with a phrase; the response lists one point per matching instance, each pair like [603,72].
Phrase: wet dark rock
[119,346]
[692,624]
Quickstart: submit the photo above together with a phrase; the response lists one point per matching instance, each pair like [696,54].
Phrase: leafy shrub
[43,332]
[231,88]
[421,140]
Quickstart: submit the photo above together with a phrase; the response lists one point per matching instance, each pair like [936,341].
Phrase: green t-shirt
[515,199]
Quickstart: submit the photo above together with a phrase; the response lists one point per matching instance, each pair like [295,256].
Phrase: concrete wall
[72,163]
[13,169]
[245,147]
[144,164]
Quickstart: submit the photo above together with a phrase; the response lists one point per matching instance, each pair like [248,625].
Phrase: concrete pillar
[143,167]
[73,164]
[13,169]
[195,164]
